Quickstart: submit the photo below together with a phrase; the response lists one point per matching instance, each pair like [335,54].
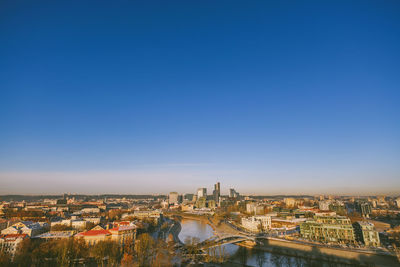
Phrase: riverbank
[218,227]
[302,250]
[324,254]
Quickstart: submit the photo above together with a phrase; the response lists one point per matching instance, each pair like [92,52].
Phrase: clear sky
[155,96]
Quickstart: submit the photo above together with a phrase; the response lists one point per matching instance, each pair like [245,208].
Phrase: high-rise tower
[217,192]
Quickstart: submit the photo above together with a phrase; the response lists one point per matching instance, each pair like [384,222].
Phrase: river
[241,256]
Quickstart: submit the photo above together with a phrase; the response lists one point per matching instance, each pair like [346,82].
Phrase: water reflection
[241,256]
[194,228]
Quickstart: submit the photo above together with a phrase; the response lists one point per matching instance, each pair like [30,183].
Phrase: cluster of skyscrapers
[201,198]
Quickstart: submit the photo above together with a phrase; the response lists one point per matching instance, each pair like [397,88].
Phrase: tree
[89,225]
[163,254]
[144,248]
[192,246]
[5,258]
[129,246]
[23,256]
[70,250]
[107,250]
[127,260]
[114,214]
[45,254]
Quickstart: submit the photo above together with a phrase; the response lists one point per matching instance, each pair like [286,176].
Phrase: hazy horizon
[67,184]
[151,98]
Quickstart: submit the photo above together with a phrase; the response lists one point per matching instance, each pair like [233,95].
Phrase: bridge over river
[224,239]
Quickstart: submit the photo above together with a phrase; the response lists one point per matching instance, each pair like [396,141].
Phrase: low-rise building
[26,227]
[289,202]
[201,203]
[90,211]
[155,215]
[211,204]
[94,220]
[119,234]
[324,205]
[54,235]
[336,229]
[123,233]
[10,242]
[66,222]
[257,223]
[78,224]
[93,236]
[365,232]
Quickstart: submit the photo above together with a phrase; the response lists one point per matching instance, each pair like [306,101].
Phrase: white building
[254,208]
[26,227]
[398,202]
[201,192]
[10,242]
[90,210]
[173,198]
[78,224]
[94,220]
[289,201]
[257,223]
[324,205]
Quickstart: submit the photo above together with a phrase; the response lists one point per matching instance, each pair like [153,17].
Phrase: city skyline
[69,188]
[139,98]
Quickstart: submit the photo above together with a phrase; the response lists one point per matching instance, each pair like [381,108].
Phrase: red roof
[94,233]
[123,223]
[124,228]
[13,236]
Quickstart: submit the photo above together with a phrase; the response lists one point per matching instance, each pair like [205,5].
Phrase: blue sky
[148,97]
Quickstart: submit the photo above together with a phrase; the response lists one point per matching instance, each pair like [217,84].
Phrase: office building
[254,208]
[201,192]
[173,198]
[201,203]
[211,204]
[233,193]
[217,192]
[365,208]
[188,197]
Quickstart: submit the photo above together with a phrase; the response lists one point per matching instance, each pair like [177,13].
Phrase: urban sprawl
[142,230]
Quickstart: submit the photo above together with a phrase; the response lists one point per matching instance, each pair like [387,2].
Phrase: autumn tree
[45,254]
[164,254]
[23,255]
[70,250]
[192,246]
[114,214]
[89,225]
[107,250]
[145,249]
[5,258]
[128,260]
